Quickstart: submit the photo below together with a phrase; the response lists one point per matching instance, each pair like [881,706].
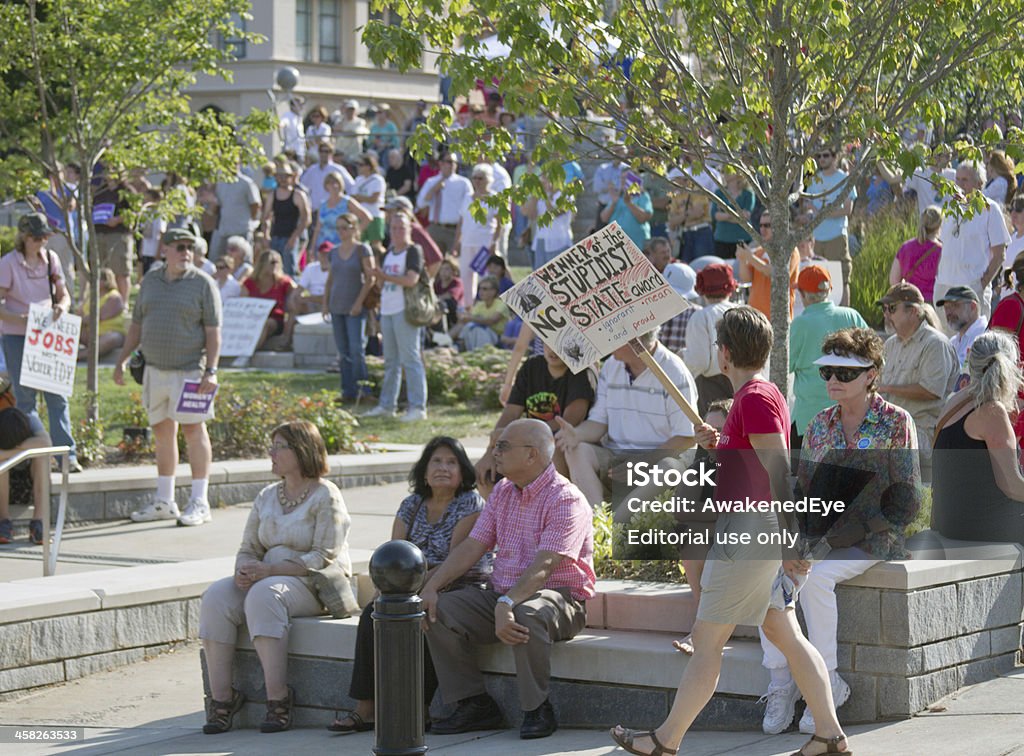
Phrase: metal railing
[50,551]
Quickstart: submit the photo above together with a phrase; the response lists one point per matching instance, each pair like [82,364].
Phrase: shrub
[457,377]
[242,424]
[883,235]
[89,442]
[641,562]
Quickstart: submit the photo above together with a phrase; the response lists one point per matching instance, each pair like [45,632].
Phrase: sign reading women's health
[594,297]
[51,350]
[242,322]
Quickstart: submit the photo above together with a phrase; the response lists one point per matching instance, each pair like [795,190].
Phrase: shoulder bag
[421,302]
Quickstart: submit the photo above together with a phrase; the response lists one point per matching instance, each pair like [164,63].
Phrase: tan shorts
[116,252]
[837,250]
[161,390]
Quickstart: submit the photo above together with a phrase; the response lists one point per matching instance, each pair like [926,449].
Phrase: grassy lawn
[119,404]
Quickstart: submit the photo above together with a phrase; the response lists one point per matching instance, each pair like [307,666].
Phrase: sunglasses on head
[842,374]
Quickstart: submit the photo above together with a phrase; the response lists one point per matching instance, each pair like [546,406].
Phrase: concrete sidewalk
[155,707]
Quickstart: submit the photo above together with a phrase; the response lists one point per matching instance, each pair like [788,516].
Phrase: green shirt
[807,333]
[174,315]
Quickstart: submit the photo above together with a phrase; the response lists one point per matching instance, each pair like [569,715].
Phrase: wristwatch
[506,600]
[210,371]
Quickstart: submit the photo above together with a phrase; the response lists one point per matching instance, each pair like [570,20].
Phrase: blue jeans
[56,405]
[289,255]
[350,338]
[697,244]
[402,352]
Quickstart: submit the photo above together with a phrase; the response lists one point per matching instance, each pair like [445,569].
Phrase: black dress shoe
[476,713]
[538,723]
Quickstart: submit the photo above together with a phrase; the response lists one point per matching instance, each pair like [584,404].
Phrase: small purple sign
[192,401]
[479,262]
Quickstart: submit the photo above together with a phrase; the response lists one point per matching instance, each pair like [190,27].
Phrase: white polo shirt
[639,413]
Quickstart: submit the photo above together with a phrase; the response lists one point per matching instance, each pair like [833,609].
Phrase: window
[304,29]
[329,28]
[234,45]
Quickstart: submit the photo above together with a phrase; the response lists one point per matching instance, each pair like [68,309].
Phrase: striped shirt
[639,413]
[550,514]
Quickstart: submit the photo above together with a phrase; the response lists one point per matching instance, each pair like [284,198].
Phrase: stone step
[597,678]
[273,360]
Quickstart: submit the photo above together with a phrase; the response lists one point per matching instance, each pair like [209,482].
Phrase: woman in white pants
[471,235]
[860,451]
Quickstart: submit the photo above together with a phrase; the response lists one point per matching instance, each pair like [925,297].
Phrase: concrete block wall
[313,346]
[60,628]
[114,493]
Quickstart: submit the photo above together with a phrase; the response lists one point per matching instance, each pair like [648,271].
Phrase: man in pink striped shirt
[542,527]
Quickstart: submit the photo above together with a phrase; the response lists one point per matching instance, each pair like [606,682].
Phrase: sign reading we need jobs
[51,350]
[594,297]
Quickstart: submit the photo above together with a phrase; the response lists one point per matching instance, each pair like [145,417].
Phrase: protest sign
[241,325]
[191,401]
[595,297]
[51,350]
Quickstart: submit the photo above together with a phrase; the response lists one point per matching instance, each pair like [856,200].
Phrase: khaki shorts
[116,252]
[161,390]
[837,250]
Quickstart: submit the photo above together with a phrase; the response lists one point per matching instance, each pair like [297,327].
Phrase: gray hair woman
[977,488]
[475,240]
[241,250]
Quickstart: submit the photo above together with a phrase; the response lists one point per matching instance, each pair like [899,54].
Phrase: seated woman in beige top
[296,526]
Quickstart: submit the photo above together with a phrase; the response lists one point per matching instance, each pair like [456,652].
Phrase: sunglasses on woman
[842,374]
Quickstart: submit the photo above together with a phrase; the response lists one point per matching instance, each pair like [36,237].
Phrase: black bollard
[398,569]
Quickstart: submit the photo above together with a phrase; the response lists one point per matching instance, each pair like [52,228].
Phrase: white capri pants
[821,612]
[266,608]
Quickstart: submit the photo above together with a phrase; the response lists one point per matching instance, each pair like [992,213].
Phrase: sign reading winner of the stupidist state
[594,297]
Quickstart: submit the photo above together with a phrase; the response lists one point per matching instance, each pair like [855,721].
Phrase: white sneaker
[379,411]
[158,509]
[196,513]
[412,415]
[779,713]
[840,695]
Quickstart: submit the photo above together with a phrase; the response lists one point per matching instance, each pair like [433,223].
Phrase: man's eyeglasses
[842,374]
[184,247]
[766,225]
[221,267]
[890,308]
[503,446]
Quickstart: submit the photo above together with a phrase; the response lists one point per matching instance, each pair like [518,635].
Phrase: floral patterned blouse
[879,476]
[435,539]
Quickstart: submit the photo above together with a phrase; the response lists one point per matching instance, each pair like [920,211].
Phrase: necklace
[290,504]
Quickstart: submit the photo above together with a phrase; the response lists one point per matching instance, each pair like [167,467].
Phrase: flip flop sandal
[626,738]
[831,743]
[358,724]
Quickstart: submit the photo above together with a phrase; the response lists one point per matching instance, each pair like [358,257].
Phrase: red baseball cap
[814,279]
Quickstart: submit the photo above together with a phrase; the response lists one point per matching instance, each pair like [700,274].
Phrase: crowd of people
[509,540]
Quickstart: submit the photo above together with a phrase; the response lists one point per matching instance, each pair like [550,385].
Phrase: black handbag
[137,366]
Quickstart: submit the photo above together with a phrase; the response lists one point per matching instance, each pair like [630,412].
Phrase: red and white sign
[51,350]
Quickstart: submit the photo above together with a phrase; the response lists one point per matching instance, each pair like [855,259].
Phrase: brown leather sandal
[279,714]
[220,715]
[625,741]
[832,744]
